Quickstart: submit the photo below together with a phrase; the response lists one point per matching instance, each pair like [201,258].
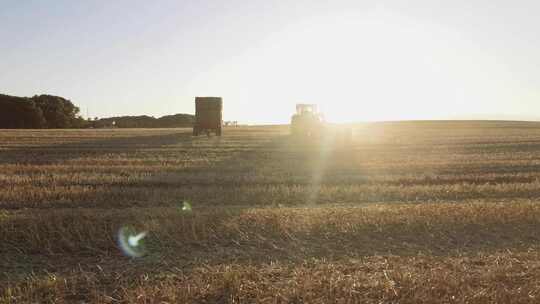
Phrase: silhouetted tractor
[307,122]
[208,115]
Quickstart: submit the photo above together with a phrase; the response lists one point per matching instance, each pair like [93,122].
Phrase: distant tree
[20,112]
[58,111]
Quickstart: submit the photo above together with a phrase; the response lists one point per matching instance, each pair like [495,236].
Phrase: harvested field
[410,212]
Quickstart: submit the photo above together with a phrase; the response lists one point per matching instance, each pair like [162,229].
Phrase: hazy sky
[359,60]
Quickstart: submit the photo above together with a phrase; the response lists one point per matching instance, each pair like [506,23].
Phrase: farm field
[409,212]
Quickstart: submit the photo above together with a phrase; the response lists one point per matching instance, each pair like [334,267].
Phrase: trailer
[208,115]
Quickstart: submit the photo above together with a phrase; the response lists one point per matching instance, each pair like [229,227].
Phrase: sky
[358,60]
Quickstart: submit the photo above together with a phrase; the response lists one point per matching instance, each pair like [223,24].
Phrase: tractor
[307,122]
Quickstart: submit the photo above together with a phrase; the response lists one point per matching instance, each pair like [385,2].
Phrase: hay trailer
[208,115]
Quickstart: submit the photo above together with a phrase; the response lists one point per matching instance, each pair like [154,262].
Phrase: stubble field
[411,212]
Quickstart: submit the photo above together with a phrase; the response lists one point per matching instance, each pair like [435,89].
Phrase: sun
[374,65]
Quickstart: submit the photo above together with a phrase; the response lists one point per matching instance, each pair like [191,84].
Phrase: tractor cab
[304,108]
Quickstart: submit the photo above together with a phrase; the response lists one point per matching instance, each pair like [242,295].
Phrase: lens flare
[325,146]
[186,207]
[132,243]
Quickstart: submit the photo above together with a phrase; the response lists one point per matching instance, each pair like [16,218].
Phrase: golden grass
[404,213]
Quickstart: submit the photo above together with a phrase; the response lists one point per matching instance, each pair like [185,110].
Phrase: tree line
[144,121]
[55,112]
[37,112]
